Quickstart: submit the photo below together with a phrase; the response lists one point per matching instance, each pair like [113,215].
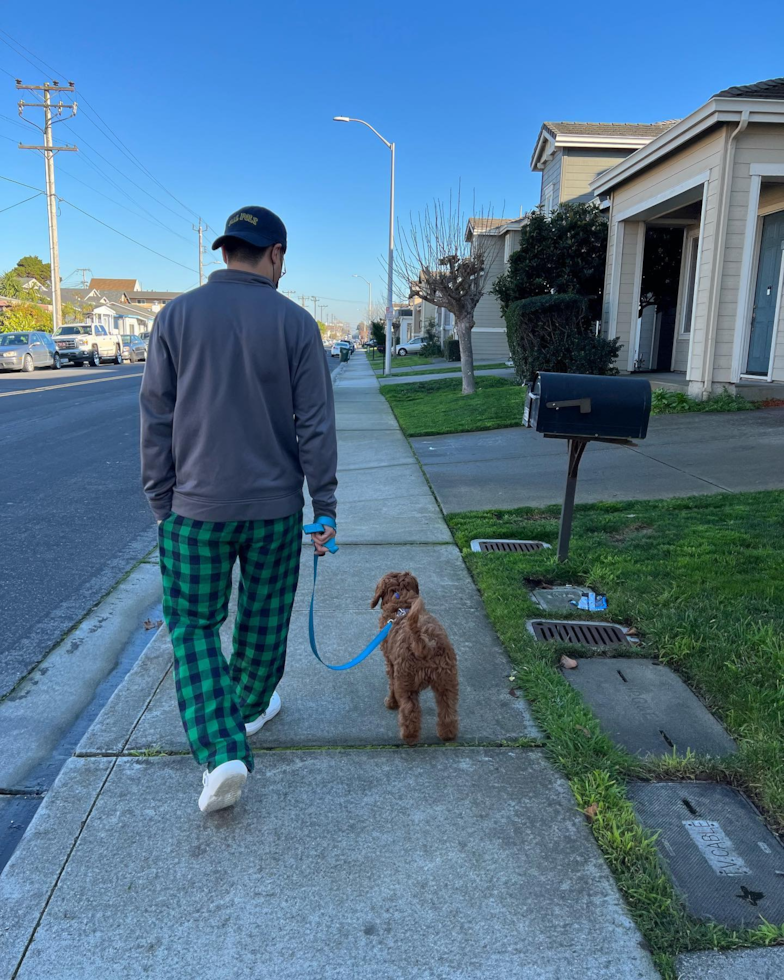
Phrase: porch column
[625,279]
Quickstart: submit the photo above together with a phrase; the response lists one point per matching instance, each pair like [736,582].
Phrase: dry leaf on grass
[632,631]
[567,663]
[153,624]
[584,730]
[591,811]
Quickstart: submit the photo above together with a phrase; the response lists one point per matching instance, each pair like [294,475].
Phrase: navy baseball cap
[258,226]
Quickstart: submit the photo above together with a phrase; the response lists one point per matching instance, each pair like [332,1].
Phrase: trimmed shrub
[554,333]
[453,350]
[431,347]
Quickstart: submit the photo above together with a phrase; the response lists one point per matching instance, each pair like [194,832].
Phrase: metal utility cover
[506,544]
[559,597]
[588,634]
[721,856]
[647,708]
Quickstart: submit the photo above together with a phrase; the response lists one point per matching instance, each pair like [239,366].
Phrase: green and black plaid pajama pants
[217,698]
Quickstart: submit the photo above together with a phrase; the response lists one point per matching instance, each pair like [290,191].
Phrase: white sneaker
[223,786]
[258,723]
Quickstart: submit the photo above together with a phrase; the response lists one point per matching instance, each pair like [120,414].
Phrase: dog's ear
[409,583]
[380,588]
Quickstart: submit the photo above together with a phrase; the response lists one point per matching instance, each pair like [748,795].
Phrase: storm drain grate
[504,544]
[588,634]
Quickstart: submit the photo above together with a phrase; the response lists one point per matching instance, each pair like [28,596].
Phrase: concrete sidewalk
[682,455]
[349,856]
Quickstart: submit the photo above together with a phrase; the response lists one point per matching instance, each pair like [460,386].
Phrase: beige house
[569,155]
[711,188]
[498,238]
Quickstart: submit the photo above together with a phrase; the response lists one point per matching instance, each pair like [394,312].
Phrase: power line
[123,235]
[123,206]
[32,198]
[110,135]
[12,181]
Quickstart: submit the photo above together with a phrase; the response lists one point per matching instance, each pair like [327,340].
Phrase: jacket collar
[238,275]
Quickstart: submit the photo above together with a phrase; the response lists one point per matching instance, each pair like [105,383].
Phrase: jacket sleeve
[156,403]
[314,416]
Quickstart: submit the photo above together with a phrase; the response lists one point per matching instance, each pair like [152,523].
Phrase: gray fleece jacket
[237,406]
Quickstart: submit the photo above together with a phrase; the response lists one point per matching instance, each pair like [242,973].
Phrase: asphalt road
[73,517]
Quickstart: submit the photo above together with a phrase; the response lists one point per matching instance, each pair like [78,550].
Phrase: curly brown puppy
[418,655]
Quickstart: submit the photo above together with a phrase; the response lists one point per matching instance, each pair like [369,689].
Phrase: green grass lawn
[701,579]
[411,360]
[453,368]
[437,407]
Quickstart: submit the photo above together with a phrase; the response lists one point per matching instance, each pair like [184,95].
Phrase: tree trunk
[463,327]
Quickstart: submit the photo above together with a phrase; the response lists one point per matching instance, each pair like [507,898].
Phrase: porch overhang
[714,112]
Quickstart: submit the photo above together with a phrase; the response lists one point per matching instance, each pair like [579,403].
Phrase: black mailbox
[588,406]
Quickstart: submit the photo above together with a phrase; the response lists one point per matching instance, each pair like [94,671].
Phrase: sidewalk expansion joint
[153,752]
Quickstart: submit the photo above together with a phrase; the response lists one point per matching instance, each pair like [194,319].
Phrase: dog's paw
[391,703]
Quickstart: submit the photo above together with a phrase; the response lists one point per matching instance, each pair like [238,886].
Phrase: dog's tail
[416,610]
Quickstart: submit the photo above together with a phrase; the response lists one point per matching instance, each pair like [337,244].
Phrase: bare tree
[445,260]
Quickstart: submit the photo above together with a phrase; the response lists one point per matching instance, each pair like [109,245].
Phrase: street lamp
[370,299]
[391,147]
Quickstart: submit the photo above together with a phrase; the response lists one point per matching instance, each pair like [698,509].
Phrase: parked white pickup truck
[88,343]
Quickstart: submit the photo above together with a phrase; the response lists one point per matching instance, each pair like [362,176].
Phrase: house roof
[755,103]
[128,309]
[121,285]
[609,129]
[772,88]
[142,294]
[478,225]
[596,136]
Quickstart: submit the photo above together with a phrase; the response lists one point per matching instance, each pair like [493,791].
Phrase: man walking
[236,411]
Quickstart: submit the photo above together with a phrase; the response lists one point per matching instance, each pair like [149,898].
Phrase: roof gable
[598,136]
[114,285]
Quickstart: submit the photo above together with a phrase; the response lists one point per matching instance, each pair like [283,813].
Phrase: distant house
[149,298]
[122,318]
[115,285]
[710,189]
[570,155]
[498,238]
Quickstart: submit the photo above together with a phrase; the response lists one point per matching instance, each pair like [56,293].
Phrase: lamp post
[391,148]
[370,300]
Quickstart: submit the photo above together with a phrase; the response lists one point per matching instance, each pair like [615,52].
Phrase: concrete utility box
[588,406]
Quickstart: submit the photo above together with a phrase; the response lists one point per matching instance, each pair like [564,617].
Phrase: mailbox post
[583,408]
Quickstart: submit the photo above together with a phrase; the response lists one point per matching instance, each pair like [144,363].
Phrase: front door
[766,294]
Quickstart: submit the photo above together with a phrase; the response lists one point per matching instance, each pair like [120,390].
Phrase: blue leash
[317,528]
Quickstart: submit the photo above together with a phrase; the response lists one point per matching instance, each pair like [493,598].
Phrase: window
[549,193]
[507,247]
[690,286]
[100,331]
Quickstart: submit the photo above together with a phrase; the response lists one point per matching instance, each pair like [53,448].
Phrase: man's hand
[320,539]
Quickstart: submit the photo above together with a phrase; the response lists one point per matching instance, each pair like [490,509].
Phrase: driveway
[683,455]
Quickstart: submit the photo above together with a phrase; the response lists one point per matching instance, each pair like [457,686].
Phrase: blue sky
[233,109]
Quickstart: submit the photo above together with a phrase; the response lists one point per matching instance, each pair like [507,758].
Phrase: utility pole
[315,300]
[49,150]
[289,292]
[200,230]
[322,307]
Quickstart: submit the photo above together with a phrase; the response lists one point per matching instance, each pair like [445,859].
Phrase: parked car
[26,350]
[134,348]
[411,346]
[88,343]
[337,347]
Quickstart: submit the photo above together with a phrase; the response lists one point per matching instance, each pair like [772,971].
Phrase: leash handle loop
[319,525]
